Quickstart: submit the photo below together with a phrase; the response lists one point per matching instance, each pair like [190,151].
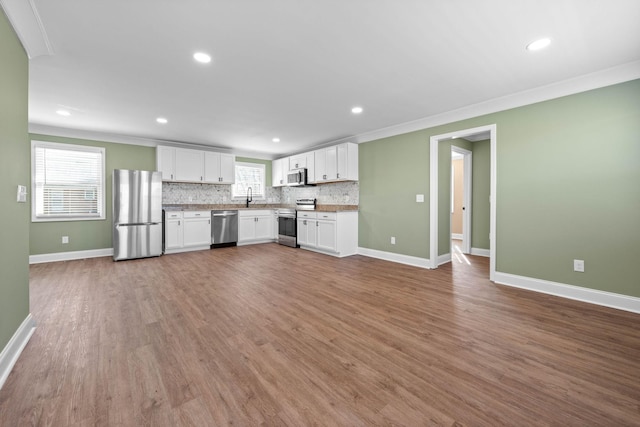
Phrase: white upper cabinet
[187,165]
[337,163]
[219,168]
[166,162]
[279,169]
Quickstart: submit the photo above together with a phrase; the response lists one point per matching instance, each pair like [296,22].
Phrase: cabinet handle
[178,223]
[304,222]
[338,176]
[171,176]
[324,176]
[200,178]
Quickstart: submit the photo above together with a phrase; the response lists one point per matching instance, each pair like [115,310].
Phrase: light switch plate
[420,198]
[22,194]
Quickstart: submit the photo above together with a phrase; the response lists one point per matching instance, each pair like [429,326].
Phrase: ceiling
[293,69]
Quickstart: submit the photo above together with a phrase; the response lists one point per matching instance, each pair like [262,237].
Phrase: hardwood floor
[269,335]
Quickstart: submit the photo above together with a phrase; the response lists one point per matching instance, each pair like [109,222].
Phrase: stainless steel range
[287,221]
[287,227]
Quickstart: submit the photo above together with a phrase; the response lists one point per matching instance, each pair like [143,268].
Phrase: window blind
[68,181]
[249,175]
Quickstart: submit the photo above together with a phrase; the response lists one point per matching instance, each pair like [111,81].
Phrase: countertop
[206,207]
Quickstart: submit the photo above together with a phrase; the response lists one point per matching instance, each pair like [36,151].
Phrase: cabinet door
[264,225]
[342,162]
[246,228]
[327,235]
[311,166]
[298,161]
[280,167]
[173,233]
[211,167]
[227,168]
[302,231]
[165,162]
[320,163]
[331,163]
[197,232]
[189,165]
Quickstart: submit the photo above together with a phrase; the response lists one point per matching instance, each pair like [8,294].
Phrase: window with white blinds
[249,175]
[67,182]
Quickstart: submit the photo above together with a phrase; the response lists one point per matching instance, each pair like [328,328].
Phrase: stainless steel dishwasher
[224,228]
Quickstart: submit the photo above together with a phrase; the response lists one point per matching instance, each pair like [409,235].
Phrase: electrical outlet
[420,198]
[65,239]
[393,240]
[578,265]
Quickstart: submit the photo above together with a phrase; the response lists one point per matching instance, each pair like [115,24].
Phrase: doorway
[460,198]
[435,260]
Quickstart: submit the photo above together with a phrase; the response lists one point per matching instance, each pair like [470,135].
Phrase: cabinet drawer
[306,215]
[329,216]
[173,215]
[197,214]
[255,212]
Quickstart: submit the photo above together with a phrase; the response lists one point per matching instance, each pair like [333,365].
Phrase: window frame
[101,200]
[262,196]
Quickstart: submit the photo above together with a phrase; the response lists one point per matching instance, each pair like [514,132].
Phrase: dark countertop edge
[208,207]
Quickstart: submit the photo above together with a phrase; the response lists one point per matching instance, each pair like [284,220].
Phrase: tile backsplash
[338,193]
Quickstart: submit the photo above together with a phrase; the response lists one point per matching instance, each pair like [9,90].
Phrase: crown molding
[584,83]
[40,129]
[26,22]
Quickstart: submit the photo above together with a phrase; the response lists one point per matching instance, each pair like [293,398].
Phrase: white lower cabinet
[333,233]
[187,231]
[255,226]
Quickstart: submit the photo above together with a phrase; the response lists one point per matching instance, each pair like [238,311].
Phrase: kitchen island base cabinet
[255,226]
[187,231]
[332,233]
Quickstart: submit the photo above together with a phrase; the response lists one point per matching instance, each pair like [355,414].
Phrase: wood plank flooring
[269,335]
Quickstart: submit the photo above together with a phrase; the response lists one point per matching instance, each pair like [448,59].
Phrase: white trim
[456,236]
[69,256]
[578,293]
[10,354]
[481,252]
[25,20]
[393,257]
[47,130]
[598,79]
[434,142]
[444,258]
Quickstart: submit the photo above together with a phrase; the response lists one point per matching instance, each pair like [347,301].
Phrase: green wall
[46,237]
[14,170]
[567,188]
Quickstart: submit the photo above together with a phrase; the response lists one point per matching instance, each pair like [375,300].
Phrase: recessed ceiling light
[356,110]
[161,120]
[202,57]
[276,139]
[63,113]
[538,44]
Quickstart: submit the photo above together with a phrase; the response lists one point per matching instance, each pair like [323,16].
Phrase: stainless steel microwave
[297,177]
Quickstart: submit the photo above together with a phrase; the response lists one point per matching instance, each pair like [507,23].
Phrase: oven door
[287,231]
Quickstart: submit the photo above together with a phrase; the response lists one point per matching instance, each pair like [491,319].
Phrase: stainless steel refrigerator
[137,214]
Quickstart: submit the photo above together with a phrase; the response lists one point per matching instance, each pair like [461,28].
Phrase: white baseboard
[456,236]
[444,258]
[593,296]
[393,257]
[68,256]
[481,252]
[9,355]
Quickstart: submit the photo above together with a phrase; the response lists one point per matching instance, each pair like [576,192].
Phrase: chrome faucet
[249,196]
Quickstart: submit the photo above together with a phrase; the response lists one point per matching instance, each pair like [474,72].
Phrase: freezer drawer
[137,241]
